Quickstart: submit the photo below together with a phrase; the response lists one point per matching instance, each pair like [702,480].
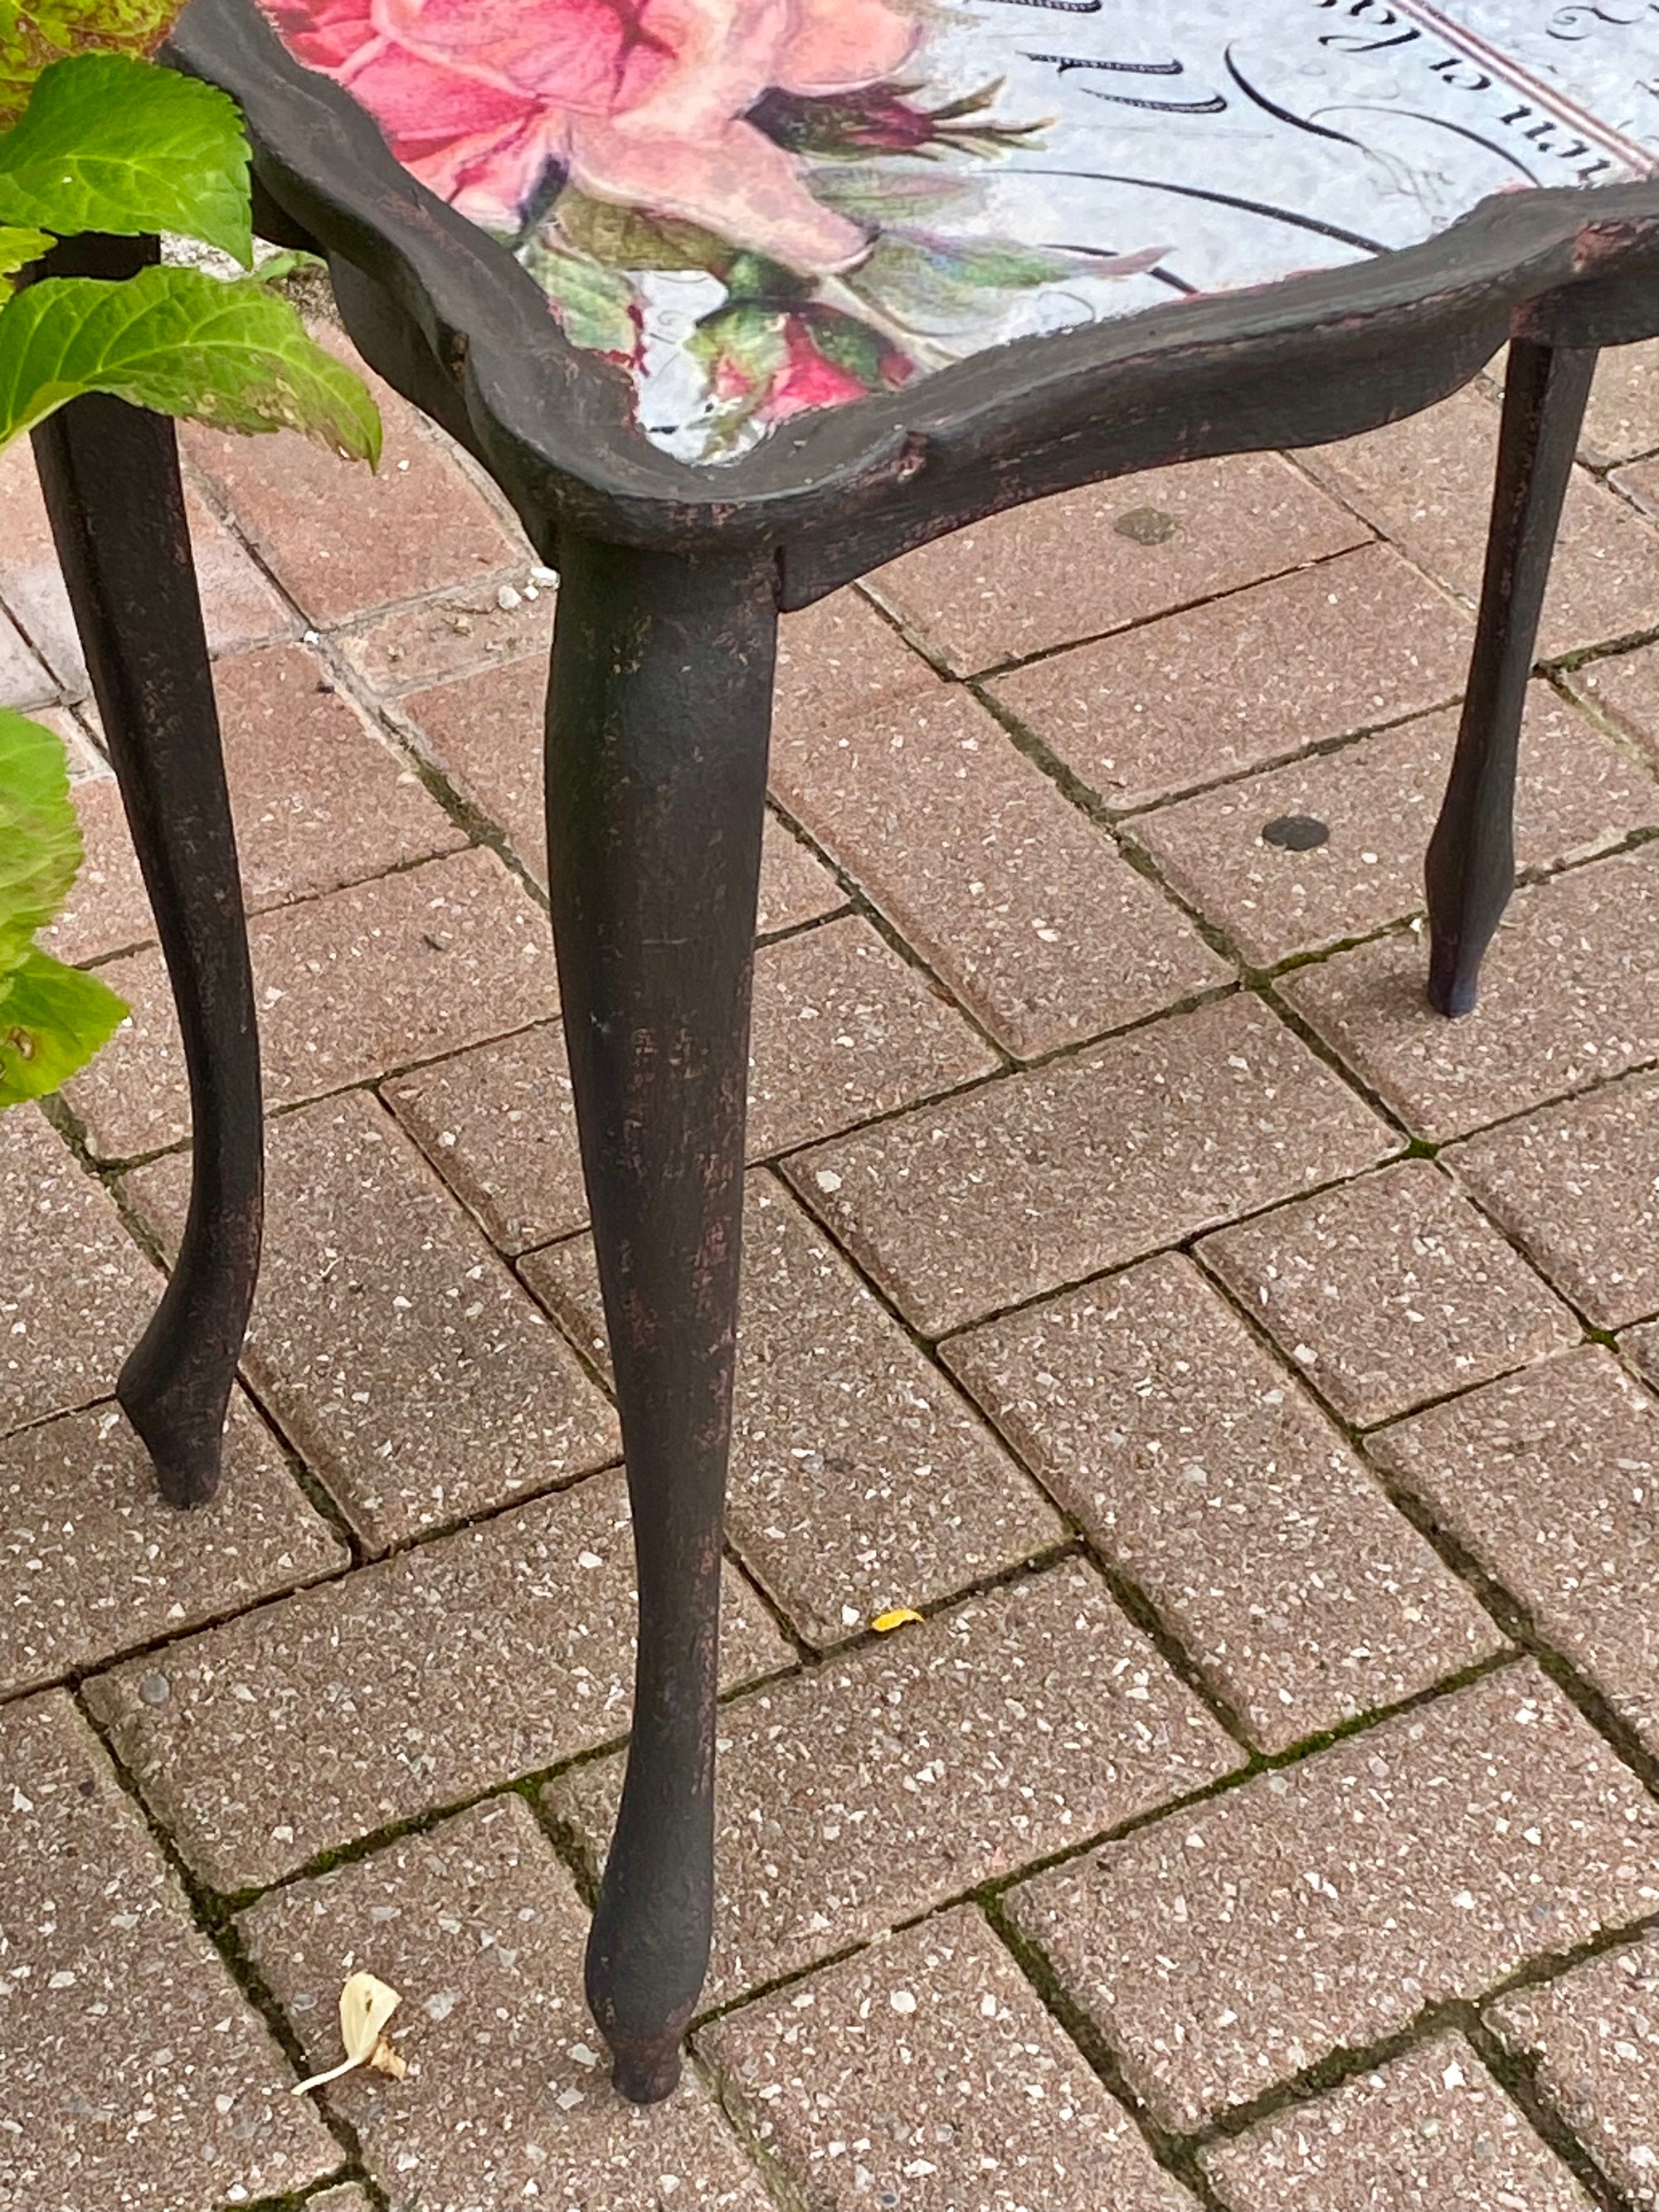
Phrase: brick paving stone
[795,886]
[925,1763]
[462,632]
[1026,910]
[1325,1906]
[108,908]
[1549,1479]
[78,727]
[1625,688]
[434,1676]
[133,2074]
[320,800]
[1622,419]
[1427,482]
[1041,1179]
[348,2197]
[402,968]
[1569,996]
[24,680]
[414,526]
[925,2072]
[860,1479]
[77,1293]
[505,2099]
[1389,1290]
[1592,2036]
[1431,2132]
[483,732]
[418,1379]
[1578,1184]
[1640,483]
[1095,560]
[839,661]
[238,606]
[1375,801]
[1245,680]
[1193,1461]
[92,1562]
[843,1028]
[1641,1348]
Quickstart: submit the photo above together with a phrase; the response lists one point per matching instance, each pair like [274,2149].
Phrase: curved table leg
[1470,871]
[110,473]
[658,722]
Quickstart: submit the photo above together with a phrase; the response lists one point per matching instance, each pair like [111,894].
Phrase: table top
[764,208]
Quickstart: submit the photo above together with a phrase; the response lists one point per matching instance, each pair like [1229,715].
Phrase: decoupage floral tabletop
[764,207]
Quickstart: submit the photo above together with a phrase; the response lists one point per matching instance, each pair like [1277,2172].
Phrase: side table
[737,299]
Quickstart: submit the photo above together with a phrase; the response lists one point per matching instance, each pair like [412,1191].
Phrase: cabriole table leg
[110,473]
[658,717]
[1470,872]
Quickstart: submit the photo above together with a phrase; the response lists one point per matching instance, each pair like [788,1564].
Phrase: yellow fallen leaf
[366,2005]
[895,1617]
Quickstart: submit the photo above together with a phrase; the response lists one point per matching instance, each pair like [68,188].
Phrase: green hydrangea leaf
[234,355]
[108,142]
[40,835]
[32,37]
[18,247]
[53,1020]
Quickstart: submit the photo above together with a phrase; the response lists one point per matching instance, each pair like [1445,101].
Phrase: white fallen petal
[366,2005]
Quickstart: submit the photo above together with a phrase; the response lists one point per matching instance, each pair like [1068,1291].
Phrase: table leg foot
[658,722]
[1470,870]
[110,474]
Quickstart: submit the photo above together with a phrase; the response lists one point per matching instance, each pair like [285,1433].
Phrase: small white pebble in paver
[1549,1479]
[1390,1290]
[1592,2036]
[1196,1464]
[348,2197]
[1431,2132]
[934,2054]
[1323,1906]
[922,1763]
[134,2076]
[505,2100]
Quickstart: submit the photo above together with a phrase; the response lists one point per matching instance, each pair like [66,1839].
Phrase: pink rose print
[640,102]
[763,161]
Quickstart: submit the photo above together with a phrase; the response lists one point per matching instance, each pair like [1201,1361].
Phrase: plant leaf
[40,835]
[18,247]
[32,38]
[111,143]
[234,355]
[53,1020]
[624,239]
[595,305]
[366,2005]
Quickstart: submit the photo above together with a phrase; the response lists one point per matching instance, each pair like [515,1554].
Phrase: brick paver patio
[1249,1377]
